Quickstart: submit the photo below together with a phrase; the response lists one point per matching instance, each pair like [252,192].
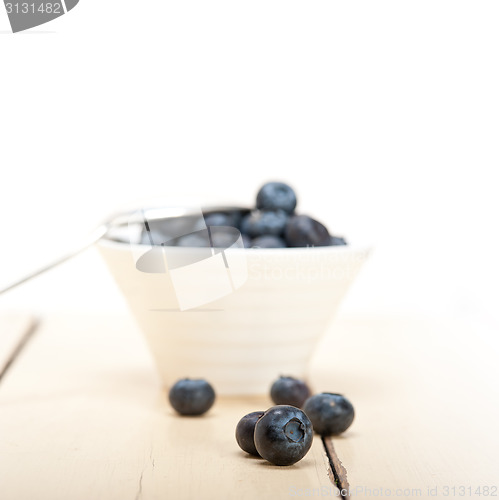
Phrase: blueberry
[165,231]
[245,432]
[268,241]
[192,396]
[283,435]
[214,236]
[289,391]
[218,219]
[330,413]
[197,239]
[303,231]
[260,222]
[223,236]
[246,240]
[275,195]
[231,218]
[338,240]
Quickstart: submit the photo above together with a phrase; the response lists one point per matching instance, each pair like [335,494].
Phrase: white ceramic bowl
[240,331]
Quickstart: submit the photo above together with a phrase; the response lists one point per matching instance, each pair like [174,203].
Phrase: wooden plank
[427,406]
[15,330]
[82,416]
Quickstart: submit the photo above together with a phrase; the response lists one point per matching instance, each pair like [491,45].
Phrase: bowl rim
[211,206]
[339,249]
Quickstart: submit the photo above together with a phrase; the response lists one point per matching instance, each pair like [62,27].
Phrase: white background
[383,115]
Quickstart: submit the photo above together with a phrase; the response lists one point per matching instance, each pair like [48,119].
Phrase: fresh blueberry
[275,195]
[218,219]
[192,396]
[283,435]
[197,239]
[268,241]
[246,240]
[214,236]
[223,236]
[289,391]
[165,231]
[330,413]
[260,222]
[245,432]
[231,218]
[303,231]
[338,240]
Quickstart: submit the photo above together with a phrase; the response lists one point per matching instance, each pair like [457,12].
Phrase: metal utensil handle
[131,215]
[95,236]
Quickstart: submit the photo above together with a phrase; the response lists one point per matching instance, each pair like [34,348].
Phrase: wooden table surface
[83,416]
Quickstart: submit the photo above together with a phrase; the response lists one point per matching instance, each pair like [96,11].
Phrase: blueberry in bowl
[303,231]
[264,222]
[276,196]
[267,241]
[220,304]
[337,241]
[272,223]
[229,218]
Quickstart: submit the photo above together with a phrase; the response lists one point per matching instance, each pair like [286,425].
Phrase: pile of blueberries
[272,224]
[283,434]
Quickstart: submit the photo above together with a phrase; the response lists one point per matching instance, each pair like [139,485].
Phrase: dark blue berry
[223,236]
[276,195]
[260,222]
[197,239]
[283,435]
[338,240]
[268,241]
[192,396]
[245,432]
[303,231]
[246,240]
[330,413]
[289,391]
[165,231]
[214,236]
[232,218]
